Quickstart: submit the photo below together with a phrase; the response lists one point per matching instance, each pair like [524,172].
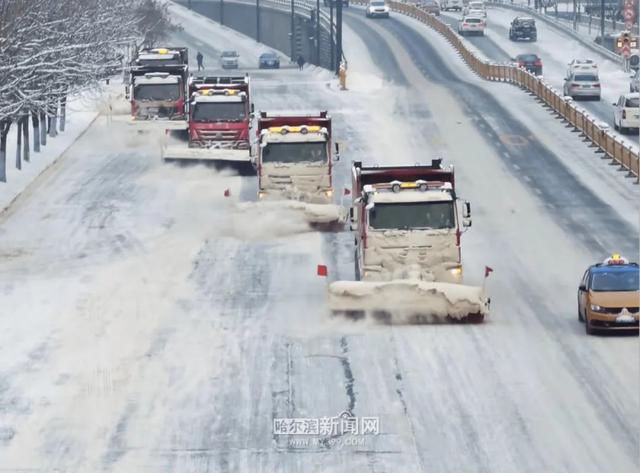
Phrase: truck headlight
[457,271]
[261,195]
[596,308]
[328,193]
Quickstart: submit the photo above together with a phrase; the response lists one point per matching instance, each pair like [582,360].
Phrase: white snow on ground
[596,173]
[555,62]
[80,114]
[557,51]
[143,336]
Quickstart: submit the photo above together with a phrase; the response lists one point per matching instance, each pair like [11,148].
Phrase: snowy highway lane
[557,50]
[152,326]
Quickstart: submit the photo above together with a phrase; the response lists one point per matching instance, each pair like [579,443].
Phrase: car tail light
[624,114]
[538,62]
[520,64]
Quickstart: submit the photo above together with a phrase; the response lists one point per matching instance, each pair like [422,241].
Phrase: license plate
[625,319]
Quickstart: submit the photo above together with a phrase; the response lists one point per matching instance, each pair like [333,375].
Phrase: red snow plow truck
[294,164]
[156,87]
[408,224]
[220,119]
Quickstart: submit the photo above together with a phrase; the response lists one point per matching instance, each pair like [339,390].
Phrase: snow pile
[404,300]
[274,219]
[263,221]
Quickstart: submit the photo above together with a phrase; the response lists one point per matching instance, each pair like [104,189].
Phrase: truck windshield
[412,215]
[295,152]
[156,92]
[219,112]
[611,281]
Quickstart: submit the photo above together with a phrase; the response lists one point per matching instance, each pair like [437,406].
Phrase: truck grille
[617,310]
[215,135]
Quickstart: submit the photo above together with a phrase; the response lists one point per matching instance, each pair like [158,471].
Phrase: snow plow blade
[151,124]
[236,159]
[408,301]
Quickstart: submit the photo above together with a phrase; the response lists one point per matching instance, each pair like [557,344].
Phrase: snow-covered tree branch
[52,48]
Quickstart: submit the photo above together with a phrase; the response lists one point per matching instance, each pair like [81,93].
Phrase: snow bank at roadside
[82,110]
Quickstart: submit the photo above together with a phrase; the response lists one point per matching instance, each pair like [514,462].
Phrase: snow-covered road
[556,49]
[148,325]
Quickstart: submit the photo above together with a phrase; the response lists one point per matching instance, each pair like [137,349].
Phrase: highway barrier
[597,132]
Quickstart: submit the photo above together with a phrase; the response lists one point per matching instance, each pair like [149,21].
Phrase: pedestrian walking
[200,59]
[300,62]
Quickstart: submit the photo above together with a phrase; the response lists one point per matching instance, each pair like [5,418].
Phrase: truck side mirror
[253,108]
[337,156]
[582,288]
[127,95]
[466,222]
[466,212]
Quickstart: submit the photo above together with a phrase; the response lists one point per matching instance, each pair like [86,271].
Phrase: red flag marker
[227,192]
[322,270]
[487,271]
[347,191]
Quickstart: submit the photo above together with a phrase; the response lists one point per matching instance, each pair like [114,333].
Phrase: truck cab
[408,223]
[220,113]
[294,157]
[157,84]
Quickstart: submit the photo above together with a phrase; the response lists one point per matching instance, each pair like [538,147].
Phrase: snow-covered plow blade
[237,159]
[408,301]
[150,125]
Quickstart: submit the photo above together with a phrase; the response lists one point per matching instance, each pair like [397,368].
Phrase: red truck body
[216,130]
[157,84]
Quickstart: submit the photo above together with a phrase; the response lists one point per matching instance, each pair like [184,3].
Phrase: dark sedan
[269,61]
[530,62]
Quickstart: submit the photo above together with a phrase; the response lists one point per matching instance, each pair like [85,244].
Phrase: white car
[626,112]
[475,7]
[471,25]
[582,65]
[229,59]
[452,5]
[377,9]
[582,83]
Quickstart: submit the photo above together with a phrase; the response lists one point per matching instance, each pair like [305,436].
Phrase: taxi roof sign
[615,259]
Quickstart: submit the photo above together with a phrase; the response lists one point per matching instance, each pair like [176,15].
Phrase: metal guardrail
[597,132]
[598,49]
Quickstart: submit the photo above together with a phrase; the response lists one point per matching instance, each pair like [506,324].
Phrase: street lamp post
[331,32]
[258,21]
[338,33]
[318,32]
[602,21]
[292,34]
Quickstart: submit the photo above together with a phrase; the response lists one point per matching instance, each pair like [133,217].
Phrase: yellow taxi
[609,296]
